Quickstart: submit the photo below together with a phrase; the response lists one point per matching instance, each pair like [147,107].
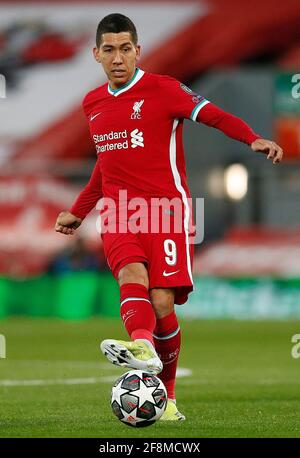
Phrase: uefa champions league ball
[138,398]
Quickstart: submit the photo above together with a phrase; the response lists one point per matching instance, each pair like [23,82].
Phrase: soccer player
[136,122]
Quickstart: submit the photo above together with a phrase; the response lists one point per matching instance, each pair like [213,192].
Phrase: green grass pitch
[55,383]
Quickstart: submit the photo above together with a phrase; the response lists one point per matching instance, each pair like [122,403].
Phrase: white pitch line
[181,372]
[26,362]
[66,381]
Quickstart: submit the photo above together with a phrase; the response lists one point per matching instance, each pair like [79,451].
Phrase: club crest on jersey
[137,107]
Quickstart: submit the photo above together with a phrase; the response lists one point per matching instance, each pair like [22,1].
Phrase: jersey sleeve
[90,195]
[181,101]
[230,125]
[87,105]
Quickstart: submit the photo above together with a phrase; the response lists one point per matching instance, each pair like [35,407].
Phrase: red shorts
[167,256]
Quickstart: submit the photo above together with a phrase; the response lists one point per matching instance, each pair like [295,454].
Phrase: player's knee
[133,273]
[162,301]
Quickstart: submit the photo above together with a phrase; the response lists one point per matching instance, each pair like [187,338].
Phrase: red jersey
[137,131]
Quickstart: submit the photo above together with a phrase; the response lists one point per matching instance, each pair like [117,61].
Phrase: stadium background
[57,296]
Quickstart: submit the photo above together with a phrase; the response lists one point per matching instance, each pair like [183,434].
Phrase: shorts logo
[137,138]
[167,274]
[137,110]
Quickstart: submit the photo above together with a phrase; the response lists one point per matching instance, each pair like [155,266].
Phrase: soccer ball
[138,398]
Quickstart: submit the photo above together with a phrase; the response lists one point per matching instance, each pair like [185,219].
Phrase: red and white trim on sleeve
[197,109]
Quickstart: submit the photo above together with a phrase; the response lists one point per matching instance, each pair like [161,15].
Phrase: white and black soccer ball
[138,398]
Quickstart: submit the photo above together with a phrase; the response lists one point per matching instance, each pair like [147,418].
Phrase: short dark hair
[116,23]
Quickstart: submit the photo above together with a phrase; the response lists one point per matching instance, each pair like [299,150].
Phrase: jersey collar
[138,74]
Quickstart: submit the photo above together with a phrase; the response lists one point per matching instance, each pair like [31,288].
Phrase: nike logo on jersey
[167,274]
[94,116]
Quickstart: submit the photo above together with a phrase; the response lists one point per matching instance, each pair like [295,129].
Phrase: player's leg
[167,339]
[136,310]
[139,320]
[166,335]
[170,281]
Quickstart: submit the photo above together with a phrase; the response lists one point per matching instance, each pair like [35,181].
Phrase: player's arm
[182,102]
[236,128]
[69,220]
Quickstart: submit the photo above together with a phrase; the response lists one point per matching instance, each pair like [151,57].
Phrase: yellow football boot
[172,413]
[137,354]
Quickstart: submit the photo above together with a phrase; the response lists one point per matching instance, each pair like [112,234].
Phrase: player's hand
[67,223]
[268,147]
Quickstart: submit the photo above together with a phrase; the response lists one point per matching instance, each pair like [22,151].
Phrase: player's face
[118,55]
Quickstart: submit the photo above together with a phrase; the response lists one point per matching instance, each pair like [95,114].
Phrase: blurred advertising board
[253,273]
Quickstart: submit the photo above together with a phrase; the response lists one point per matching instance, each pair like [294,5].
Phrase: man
[136,122]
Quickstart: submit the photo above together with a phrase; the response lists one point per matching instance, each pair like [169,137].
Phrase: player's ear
[138,52]
[96,54]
